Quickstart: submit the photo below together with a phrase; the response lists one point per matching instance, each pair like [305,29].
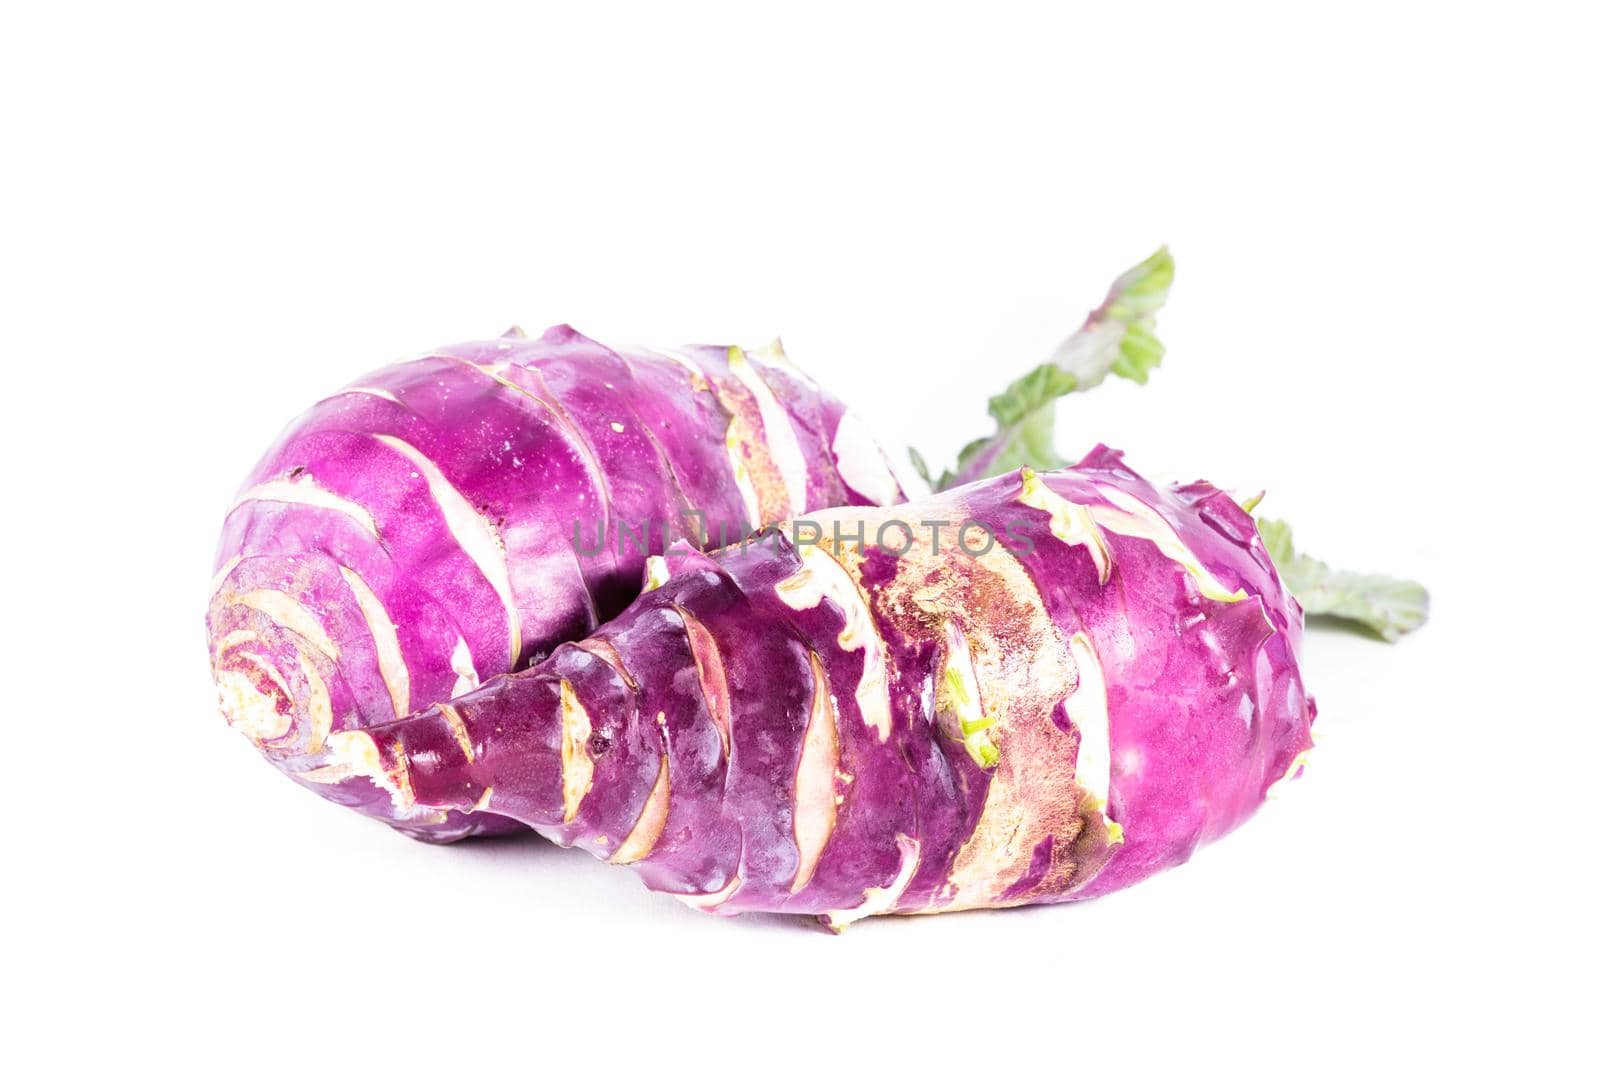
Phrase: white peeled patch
[354,754]
[815,807]
[782,441]
[466,673]
[822,577]
[1070,523]
[372,390]
[879,899]
[679,356]
[303,490]
[233,639]
[291,615]
[958,690]
[577,768]
[1090,712]
[221,576]
[861,463]
[319,707]
[741,477]
[1129,516]
[391,663]
[656,573]
[713,900]
[472,532]
[646,831]
[496,372]
[248,710]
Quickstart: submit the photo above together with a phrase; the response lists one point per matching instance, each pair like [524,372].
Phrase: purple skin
[844,729]
[414,533]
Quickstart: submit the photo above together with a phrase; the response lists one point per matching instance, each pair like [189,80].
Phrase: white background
[1385,228]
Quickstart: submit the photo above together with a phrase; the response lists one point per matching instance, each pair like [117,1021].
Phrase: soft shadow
[1327,624]
[535,851]
[505,843]
[622,889]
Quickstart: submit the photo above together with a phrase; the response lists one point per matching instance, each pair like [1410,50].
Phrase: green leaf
[1277,539]
[1135,298]
[1031,392]
[1389,607]
[968,456]
[919,465]
[1117,338]
[1139,354]
[1030,443]
[1142,289]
